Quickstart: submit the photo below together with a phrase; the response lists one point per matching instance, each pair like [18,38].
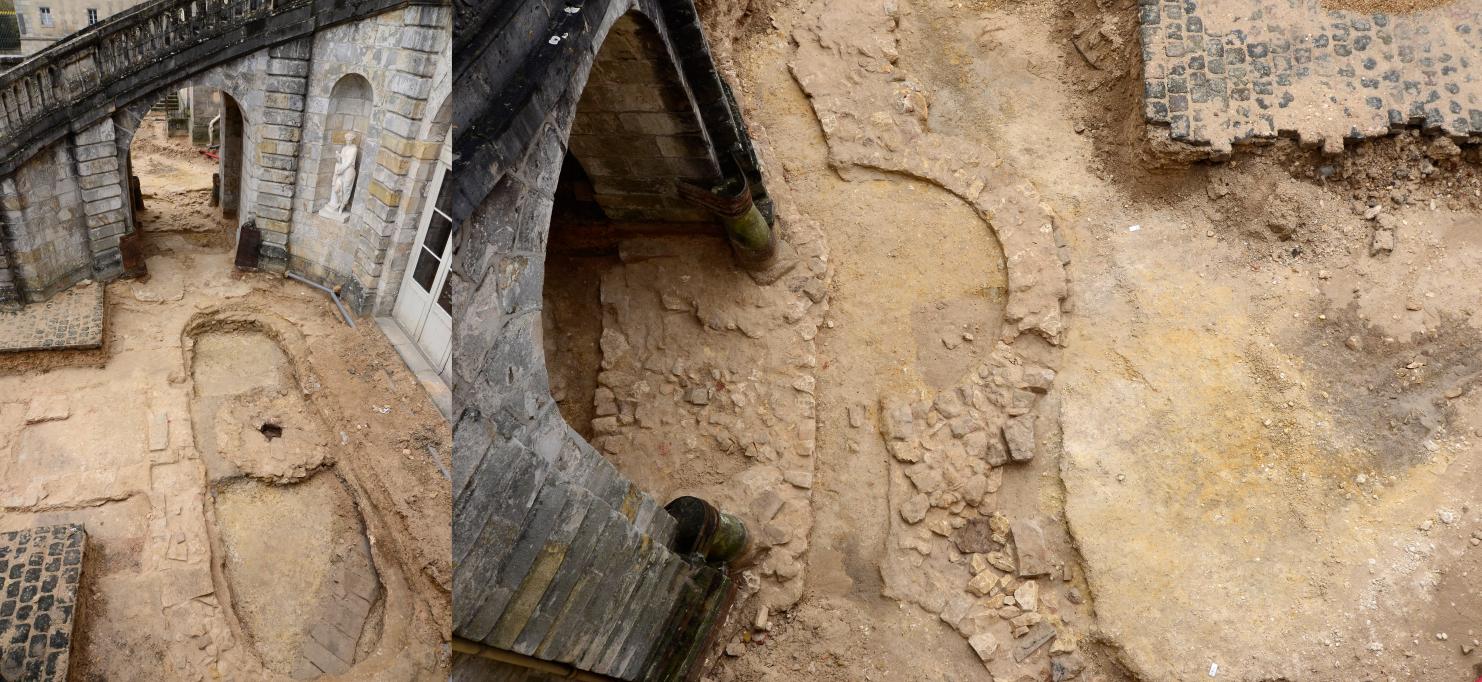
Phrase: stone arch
[636,133]
[638,76]
[351,103]
[224,81]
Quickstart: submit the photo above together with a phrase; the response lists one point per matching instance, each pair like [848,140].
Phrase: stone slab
[1223,72]
[72,319]
[40,569]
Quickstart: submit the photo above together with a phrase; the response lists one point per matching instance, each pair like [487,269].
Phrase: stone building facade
[560,558]
[43,22]
[67,119]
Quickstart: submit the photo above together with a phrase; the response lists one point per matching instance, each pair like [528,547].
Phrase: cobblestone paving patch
[1221,72]
[39,572]
[72,319]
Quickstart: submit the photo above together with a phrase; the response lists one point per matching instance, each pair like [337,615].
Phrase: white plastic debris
[1134,228]
[1214,669]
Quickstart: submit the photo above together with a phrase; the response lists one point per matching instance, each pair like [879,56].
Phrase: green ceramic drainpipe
[703,530]
[753,240]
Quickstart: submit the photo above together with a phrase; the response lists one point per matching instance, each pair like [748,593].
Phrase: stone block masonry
[635,133]
[277,147]
[100,176]
[68,116]
[1223,72]
[39,573]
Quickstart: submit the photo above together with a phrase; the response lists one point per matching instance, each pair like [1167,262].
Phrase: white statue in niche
[343,181]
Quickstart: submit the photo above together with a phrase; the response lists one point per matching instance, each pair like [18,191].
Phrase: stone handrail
[136,52]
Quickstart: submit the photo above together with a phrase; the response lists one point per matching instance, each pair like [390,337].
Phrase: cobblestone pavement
[1220,72]
[71,319]
[39,570]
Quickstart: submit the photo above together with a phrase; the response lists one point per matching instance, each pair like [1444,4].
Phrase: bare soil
[1258,458]
[213,548]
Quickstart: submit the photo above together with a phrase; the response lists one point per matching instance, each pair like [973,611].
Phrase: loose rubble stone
[897,421]
[974,538]
[1039,379]
[1384,242]
[799,478]
[1027,595]
[698,395]
[985,645]
[914,510]
[47,409]
[1066,667]
[1029,544]
[983,584]
[159,431]
[1001,561]
[904,452]
[766,506]
[1018,432]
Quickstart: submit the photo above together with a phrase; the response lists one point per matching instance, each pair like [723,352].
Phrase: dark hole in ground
[271,430]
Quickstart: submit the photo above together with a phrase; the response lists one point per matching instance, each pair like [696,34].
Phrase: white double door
[424,305]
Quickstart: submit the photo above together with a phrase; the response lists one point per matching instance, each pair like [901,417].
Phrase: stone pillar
[424,40]
[100,177]
[278,148]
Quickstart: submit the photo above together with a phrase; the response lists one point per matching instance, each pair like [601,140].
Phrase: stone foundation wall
[45,220]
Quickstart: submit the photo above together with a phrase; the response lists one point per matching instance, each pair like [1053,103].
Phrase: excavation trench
[300,578]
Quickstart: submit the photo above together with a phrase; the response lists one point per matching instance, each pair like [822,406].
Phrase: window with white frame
[46,16]
[92,16]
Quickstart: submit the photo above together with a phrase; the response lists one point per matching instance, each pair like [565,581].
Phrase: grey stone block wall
[557,555]
[203,108]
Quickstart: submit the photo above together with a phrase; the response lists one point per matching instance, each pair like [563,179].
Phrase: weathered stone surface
[985,645]
[1222,72]
[40,569]
[1030,548]
[1018,433]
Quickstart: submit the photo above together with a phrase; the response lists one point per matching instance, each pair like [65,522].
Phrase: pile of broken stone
[952,451]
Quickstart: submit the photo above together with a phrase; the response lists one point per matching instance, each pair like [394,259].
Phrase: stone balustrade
[137,52]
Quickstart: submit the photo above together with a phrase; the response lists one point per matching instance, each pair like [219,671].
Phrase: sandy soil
[1257,455]
[213,547]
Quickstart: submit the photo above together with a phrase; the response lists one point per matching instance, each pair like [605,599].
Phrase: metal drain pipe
[332,296]
[753,240]
[717,537]
[561,670]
